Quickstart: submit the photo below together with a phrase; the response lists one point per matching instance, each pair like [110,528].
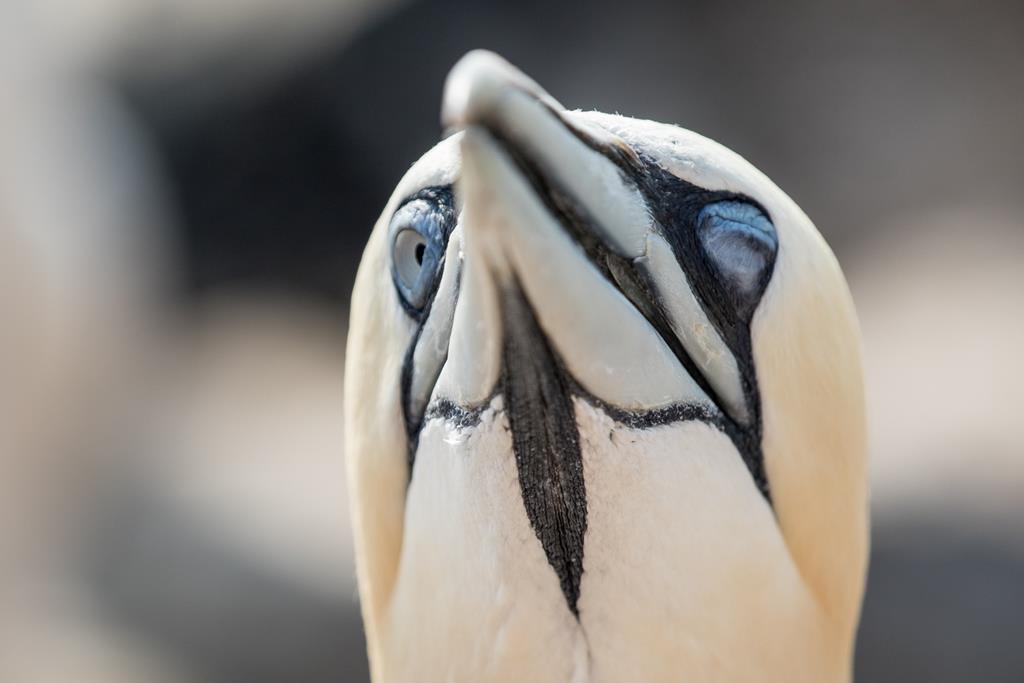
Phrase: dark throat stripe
[546,441]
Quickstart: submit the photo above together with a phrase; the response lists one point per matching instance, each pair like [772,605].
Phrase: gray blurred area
[185,189]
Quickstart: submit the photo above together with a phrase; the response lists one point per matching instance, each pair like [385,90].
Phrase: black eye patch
[726,244]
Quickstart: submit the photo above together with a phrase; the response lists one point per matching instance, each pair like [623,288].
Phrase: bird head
[604,412]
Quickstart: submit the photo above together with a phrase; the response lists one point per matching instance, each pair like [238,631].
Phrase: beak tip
[476,85]
[471,87]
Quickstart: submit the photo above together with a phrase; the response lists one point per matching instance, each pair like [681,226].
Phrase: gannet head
[604,408]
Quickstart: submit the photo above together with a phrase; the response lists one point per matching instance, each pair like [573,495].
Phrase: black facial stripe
[617,269]
[546,442]
[456,415]
[675,205]
[412,424]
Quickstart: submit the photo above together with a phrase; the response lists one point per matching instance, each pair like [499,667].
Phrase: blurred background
[185,189]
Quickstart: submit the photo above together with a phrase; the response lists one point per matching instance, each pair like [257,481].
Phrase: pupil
[420,250]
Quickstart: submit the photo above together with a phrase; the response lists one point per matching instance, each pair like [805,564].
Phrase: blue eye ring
[740,242]
[418,235]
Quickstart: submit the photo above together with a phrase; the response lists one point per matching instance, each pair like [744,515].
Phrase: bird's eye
[417,248]
[740,242]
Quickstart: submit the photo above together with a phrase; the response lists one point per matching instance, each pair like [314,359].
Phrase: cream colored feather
[689,573]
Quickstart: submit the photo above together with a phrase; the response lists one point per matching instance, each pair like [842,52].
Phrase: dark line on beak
[546,442]
[675,204]
[618,270]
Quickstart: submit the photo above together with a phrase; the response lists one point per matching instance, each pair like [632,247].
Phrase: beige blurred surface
[255,420]
[231,418]
[79,314]
[940,300]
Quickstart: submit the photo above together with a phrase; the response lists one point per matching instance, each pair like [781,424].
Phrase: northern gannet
[604,409]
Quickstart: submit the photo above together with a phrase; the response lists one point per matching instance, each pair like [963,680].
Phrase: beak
[568,290]
[551,218]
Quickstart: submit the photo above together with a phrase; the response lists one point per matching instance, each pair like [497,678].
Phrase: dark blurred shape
[270,191]
[858,111]
[229,618]
[944,604]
